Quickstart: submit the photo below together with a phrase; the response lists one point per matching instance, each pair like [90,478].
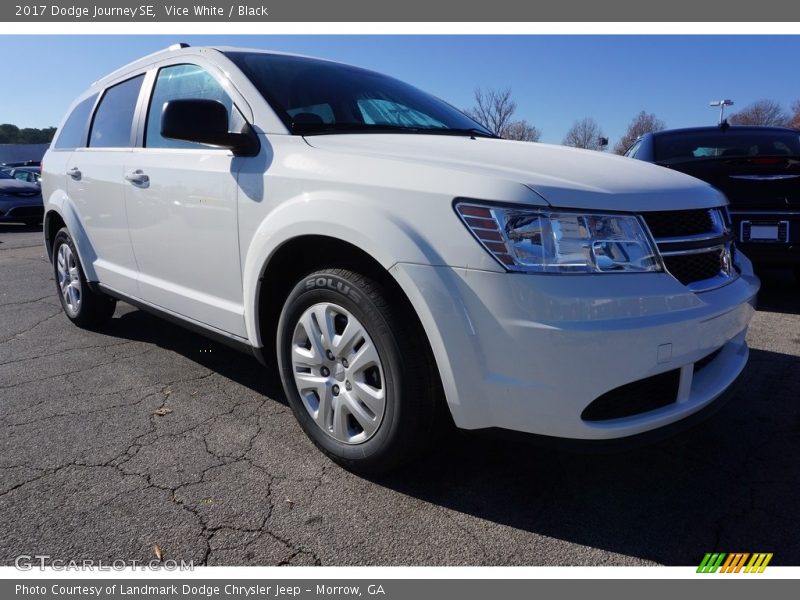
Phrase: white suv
[401,264]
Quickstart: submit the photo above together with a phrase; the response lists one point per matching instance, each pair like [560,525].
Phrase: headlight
[542,241]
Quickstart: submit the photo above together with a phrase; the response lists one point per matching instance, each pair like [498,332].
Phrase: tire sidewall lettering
[335,284]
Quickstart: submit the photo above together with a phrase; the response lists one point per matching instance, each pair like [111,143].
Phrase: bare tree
[761,112]
[586,134]
[794,120]
[642,123]
[523,131]
[494,110]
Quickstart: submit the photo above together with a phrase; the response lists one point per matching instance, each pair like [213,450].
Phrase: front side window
[316,96]
[631,152]
[184,82]
[28,176]
[73,132]
[113,119]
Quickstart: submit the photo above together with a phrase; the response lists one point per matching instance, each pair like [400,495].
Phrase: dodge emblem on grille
[725,261]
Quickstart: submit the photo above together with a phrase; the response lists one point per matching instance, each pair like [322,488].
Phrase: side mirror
[205,122]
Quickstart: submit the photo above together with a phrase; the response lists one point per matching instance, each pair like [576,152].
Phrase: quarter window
[113,119]
[73,133]
[184,82]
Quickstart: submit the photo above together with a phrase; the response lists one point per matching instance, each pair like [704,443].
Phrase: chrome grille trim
[717,240]
[702,250]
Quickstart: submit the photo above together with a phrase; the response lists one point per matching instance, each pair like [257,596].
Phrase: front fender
[350,218]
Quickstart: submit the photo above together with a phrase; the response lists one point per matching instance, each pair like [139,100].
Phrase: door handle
[137,177]
[75,173]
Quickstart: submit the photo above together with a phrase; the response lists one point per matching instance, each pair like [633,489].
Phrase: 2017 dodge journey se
[398,262]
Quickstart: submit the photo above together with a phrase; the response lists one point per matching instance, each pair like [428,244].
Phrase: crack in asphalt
[75,372]
[67,349]
[24,331]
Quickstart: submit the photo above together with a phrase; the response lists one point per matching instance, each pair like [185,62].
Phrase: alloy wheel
[338,373]
[69,279]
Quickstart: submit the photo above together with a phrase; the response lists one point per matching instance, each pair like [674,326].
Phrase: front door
[181,204]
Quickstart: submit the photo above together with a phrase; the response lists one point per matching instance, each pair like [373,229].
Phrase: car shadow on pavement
[138,325]
[730,484]
[780,291]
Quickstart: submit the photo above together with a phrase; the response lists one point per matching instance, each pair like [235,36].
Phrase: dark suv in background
[758,169]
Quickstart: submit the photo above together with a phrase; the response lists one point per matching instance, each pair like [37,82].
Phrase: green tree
[11,134]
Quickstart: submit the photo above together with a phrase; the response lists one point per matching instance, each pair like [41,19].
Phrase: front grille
[679,223]
[694,244]
[635,398]
[689,268]
[26,211]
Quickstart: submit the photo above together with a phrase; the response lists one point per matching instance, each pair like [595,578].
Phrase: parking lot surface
[141,434]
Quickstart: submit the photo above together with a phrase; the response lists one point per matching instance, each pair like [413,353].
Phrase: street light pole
[722,104]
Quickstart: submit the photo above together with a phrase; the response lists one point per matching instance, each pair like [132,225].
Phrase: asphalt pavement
[141,434]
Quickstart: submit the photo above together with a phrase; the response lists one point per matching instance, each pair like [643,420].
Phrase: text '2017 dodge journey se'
[396,259]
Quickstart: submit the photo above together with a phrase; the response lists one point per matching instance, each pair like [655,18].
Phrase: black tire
[91,309]
[409,378]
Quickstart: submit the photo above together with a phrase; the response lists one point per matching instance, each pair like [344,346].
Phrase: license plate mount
[764,232]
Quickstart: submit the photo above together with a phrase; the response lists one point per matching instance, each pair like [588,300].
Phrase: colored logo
[735,562]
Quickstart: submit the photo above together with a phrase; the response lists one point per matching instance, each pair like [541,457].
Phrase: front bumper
[21,208]
[529,353]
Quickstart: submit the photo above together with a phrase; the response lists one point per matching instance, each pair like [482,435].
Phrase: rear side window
[184,82]
[113,119]
[73,133]
[728,143]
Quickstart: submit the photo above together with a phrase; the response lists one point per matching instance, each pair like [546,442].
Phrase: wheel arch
[53,222]
[63,214]
[305,254]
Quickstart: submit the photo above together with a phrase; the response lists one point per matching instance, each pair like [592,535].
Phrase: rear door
[181,203]
[95,184]
[58,159]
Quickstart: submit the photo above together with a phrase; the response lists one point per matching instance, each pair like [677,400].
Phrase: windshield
[728,143]
[314,96]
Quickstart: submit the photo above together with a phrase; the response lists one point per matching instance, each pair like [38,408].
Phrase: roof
[734,128]
[181,48]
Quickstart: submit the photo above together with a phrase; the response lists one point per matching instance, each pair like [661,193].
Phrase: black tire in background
[409,379]
[83,306]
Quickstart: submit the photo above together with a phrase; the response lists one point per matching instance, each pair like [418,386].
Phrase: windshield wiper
[470,131]
[326,128]
[329,128]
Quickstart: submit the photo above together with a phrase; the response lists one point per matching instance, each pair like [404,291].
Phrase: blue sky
[555,79]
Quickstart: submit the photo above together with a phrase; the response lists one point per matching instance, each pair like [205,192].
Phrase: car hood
[14,187]
[565,177]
